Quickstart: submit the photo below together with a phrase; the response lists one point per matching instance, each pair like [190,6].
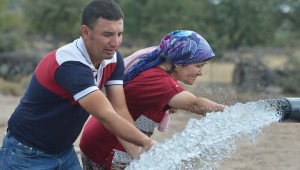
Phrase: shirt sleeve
[117,76]
[76,78]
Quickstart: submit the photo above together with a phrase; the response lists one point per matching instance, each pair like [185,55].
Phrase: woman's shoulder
[159,76]
[157,71]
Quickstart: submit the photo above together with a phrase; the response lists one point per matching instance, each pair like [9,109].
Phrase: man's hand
[172,110]
[149,144]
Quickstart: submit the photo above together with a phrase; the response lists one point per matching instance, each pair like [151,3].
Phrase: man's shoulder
[69,52]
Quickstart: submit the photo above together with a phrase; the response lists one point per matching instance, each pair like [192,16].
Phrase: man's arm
[99,106]
[116,96]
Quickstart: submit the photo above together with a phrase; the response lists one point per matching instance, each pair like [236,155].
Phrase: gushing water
[205,142]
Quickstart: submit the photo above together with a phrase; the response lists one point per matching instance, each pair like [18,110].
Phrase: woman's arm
[189,102]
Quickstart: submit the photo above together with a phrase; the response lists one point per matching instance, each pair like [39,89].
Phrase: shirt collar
[81,47]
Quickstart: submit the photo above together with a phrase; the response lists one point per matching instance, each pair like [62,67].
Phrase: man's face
[105,38]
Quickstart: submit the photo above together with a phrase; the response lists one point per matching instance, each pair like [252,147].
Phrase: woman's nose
[200,72]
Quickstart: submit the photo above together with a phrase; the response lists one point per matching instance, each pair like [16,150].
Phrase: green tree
[60,19]
[10,27]
[133,20]
[225,23]
[243,23]
[290,29]
[150,20]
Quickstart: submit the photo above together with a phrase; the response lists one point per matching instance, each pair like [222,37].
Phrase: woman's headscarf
[180,47]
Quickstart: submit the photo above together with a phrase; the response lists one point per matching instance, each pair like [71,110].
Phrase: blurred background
[256,42]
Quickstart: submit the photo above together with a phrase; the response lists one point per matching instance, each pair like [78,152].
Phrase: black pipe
[288,108]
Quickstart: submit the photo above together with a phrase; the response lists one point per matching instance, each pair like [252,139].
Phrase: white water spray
[205,142]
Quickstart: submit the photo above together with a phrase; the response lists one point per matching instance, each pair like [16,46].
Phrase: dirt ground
[277,148]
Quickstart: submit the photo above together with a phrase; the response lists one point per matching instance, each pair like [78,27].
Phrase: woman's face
[188,74]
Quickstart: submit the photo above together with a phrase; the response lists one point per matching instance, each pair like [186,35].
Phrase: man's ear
[84,31]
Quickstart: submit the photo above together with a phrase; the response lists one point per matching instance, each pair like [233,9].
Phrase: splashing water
[205,142]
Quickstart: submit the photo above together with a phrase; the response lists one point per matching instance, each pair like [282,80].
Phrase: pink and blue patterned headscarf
[180,47]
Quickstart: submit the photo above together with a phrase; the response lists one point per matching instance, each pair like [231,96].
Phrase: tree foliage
[150,20]
[10,27]
[57,18]
[291,15]
[243,23]
[224,23]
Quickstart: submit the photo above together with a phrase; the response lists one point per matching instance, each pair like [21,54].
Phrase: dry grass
[13,88]
[216,72]
[275,62]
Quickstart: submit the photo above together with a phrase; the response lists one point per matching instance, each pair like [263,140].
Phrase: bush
[291,81]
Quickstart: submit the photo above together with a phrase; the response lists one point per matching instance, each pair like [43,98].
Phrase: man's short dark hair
[95,9]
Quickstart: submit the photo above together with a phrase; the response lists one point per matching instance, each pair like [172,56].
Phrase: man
[64,91]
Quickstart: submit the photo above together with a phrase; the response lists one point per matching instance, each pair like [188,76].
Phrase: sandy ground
[277,148]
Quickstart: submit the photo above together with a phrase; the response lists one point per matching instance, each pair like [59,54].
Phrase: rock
[15,65]
[253,76]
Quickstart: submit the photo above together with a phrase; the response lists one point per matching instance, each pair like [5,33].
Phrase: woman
[151,90]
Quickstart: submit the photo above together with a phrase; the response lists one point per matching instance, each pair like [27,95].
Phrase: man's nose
[116,41]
